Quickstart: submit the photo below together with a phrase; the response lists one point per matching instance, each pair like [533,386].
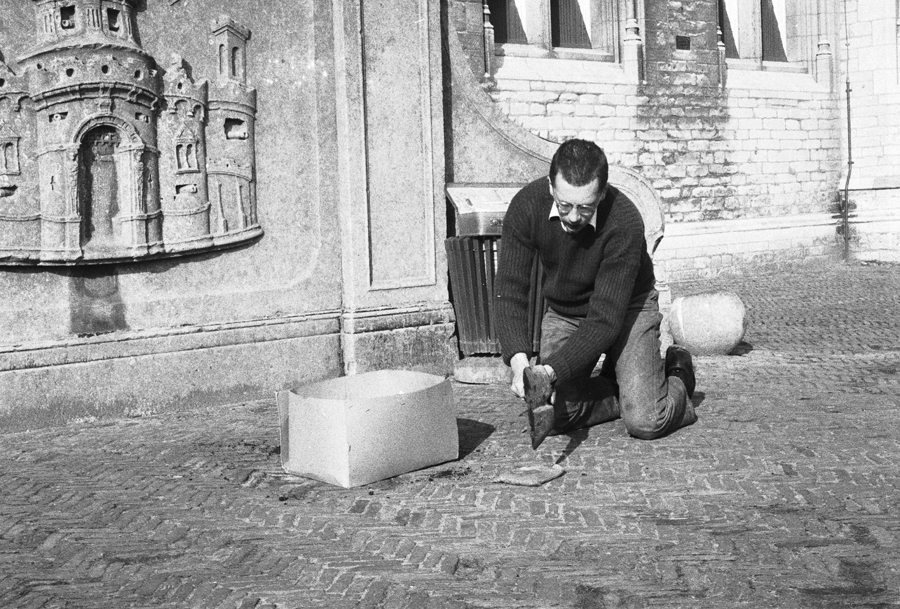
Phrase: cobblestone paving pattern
[786,493]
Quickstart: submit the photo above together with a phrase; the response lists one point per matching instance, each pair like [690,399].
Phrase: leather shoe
[680,364]
[537,398]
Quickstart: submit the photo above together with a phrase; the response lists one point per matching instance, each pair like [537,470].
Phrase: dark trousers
[632,382]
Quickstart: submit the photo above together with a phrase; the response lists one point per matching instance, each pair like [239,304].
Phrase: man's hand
[518,363]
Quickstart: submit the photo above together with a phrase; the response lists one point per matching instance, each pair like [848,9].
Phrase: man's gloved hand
[518,363]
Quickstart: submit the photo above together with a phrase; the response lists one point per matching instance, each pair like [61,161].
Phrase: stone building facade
[284,220]
[872,71]
[729,108]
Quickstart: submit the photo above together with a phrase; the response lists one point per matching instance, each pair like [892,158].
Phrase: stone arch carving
[122,183]
[89,113]
[108,120]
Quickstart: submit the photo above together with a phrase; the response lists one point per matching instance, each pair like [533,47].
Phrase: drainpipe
[845,203]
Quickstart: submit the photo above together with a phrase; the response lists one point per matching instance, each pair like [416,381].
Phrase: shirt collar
[554,213]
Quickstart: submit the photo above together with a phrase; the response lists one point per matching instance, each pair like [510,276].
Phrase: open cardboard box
[358,429]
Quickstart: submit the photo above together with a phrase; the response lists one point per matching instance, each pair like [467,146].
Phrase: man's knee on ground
[643,429]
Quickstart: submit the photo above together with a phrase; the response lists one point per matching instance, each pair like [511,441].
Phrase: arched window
[186,152]
[9,156]
[237,62]
[10,162]
[99,181]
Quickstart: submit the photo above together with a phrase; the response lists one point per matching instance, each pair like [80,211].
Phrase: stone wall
[873,70]
[349,274]
[766,145]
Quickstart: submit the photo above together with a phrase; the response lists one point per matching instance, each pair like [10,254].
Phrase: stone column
[538,30]
[488,44]
[632,45]
[395,311]
[71,246]
[130,170]
[720,45]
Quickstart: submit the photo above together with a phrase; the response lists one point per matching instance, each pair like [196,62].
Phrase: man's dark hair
[580,161]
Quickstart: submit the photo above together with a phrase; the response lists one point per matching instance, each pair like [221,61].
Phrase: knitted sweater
[591,274]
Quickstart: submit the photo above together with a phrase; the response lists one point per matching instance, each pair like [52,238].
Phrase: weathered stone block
[708,324]
[481,371]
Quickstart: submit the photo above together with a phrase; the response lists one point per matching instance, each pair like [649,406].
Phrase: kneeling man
[600,289]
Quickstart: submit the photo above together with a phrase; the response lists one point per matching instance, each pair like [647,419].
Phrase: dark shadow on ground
[471,434]
[575,440]
[742,349]
[698,398]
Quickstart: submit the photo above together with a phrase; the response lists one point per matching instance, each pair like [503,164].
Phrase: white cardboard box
[358,429]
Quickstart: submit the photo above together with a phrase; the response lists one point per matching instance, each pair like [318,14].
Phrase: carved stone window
[186,145]
[556,26]
[9,156]
[100,186]
[237,62]
[112,19]
[235,129]
[769,34]
[67,17]
[231,61]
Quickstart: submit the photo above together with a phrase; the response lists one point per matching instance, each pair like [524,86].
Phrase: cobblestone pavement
[786,493]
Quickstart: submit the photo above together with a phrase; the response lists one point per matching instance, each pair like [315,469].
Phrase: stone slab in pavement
[786,492]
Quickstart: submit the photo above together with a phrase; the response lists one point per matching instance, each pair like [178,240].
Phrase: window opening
[568,24]
[67,17]
[235,129]
[728,22]
[112,19]
[236,63]
[770,31]
[507,22]
[773,19]
[10,159]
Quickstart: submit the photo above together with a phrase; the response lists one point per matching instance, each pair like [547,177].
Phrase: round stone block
[708,324]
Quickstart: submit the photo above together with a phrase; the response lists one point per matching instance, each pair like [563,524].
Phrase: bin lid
[473,197]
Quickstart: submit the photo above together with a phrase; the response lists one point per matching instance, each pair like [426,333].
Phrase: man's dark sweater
[591,274]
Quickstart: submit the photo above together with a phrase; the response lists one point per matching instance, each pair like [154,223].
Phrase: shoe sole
[689,387]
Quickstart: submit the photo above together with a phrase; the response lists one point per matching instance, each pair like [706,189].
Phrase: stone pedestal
[481,370]
[708,324]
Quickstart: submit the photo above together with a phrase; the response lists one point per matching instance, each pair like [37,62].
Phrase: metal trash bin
[472,259]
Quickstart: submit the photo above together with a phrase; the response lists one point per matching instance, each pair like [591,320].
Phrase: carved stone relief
[105,157]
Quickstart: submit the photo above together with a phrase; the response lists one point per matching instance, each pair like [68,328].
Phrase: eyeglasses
[583,210]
